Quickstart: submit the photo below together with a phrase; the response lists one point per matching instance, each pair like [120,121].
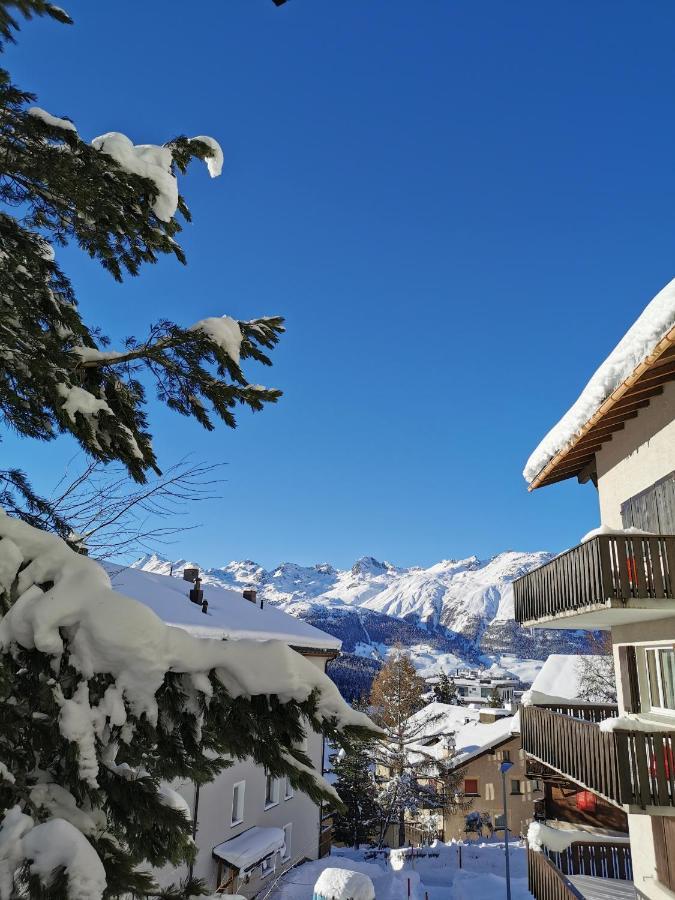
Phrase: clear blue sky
[459,207]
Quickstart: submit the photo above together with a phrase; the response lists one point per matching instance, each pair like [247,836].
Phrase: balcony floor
[602,888]
[602,616]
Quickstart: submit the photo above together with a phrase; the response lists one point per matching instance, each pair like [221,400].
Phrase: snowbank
[654,323]
[336,884]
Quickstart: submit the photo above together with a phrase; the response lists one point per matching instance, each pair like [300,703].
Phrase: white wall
[637,456]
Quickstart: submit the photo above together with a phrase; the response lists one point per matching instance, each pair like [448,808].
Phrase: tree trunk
[401,828]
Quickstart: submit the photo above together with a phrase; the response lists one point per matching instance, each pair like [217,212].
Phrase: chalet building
[479,751]
[620,437]
[248,826]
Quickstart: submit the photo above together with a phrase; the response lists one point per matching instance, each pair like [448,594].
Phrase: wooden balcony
[634,769]
[609,580]
[581,871]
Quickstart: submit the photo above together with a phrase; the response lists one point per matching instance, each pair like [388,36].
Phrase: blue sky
[459,208]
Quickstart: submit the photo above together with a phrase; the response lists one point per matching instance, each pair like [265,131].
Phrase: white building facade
[620,435]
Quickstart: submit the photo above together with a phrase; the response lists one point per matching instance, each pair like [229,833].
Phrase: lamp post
[504,768]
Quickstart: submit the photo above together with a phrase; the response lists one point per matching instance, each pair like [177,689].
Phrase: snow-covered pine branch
[103,704]
[120,203]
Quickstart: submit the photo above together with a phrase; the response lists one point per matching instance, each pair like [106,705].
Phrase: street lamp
[504,768]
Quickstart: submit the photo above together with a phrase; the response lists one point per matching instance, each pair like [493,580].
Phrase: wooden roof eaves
[629,387]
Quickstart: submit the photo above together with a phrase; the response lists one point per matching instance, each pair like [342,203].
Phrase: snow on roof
[229,614]
[251,847]
[334,884]
[441,718]
[558,681]
[470,735]
[476,737]
[655,322]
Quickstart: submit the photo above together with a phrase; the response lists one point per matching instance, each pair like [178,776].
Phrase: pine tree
[119,203]
[102,704]
[495,699]
[355,783]
[445,690]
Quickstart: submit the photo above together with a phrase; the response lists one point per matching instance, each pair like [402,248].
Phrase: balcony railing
[606,568]
[628,768]
[551,875]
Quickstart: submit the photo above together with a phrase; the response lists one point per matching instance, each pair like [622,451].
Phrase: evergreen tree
[119,203]
[445,690]
[495,699]
[357,823]
[102,705]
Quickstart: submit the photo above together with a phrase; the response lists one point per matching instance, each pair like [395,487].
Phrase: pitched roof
[229,614]
[634,372]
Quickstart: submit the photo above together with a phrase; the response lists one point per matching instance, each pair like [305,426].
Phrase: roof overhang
[623,404]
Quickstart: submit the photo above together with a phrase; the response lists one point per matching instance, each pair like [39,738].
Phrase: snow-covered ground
[479,877]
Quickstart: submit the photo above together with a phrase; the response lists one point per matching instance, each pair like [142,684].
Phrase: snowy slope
[454,611]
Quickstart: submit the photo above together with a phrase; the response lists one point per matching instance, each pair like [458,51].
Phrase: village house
[248,827]
[620,437]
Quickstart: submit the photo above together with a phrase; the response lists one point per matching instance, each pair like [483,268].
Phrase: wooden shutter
[652,509]
[628,673]
[663,830]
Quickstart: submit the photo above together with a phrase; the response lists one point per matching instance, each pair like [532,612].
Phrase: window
[661,672]
[506,755]
[485,692]
[271,791]
[471,787]
[288,793]
[238,803]
[288,840]
[515,786]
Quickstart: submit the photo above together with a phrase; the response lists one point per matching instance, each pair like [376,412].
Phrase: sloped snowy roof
[229,614]
[250,847]
[558,681]
[476,737]
[654,327]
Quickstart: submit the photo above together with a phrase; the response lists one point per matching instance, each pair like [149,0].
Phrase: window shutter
[628,673]
[652,509]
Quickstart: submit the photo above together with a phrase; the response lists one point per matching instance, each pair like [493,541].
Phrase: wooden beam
[630,402]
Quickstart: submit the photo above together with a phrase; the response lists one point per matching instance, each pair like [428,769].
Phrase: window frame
[657,650]
[519,792]
[270,779]
[289,790]
[475,793]
[238,784]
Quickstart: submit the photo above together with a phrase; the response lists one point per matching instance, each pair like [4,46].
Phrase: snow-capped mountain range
[453,613]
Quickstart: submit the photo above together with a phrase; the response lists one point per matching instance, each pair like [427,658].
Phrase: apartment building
[619,439]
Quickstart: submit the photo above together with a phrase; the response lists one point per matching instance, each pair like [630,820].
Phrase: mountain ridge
[455,612]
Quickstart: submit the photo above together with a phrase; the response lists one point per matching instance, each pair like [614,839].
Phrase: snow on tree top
[229,615]
[657,319]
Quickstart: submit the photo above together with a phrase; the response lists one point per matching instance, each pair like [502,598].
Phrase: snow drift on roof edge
[652,325]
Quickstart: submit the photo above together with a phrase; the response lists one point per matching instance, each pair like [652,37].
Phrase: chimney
[251,595]
[197,594]
[190,575]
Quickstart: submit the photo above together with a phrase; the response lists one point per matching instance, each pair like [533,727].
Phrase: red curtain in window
[587,801]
